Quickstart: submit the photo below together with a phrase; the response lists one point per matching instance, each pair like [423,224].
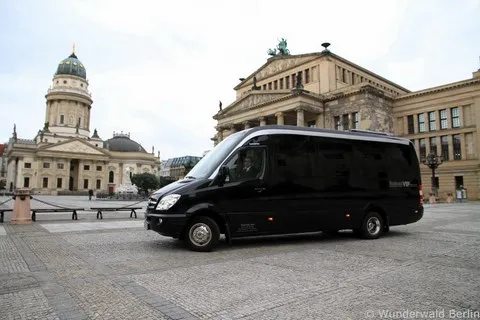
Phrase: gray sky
[157,69]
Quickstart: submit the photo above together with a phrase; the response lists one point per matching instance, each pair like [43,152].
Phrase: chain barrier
[60,207]
[133,204]
[51,204]
[10,199]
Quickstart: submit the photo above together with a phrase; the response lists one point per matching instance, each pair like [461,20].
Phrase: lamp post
[433,162]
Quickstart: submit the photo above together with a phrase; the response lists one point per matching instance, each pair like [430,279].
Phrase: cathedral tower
[68,100]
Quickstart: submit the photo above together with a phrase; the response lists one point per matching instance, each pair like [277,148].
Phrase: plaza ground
[57,268]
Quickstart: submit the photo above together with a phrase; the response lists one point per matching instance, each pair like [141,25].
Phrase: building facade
[64,156]
[324,90]
[177,168]
[3,165]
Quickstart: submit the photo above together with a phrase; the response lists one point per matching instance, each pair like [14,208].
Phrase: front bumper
[166,224]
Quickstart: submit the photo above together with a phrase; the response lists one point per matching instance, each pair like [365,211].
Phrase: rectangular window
[85,184]
[344,75]
[353,78]
[455,118]
[45,182]
[99,168]
[60,166]
[307,75]
[311,124]
[287,83]
[294,80]
[443,119]
[457,148]
[345,122]
[27,165]
[59,183]
[433,145]
[46,165]
[444,143]
[423,149]
[432,121]
[26,182]
[336,122]
[275,85]
[355,124]
[269,86]
[62,118]
[99,184]
[86,167]
[411,125]
[281,83]
[421,122]
[264,87]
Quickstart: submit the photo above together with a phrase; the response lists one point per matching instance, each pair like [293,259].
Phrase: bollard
[21,207]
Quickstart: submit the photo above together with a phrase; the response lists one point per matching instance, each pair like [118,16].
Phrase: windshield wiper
[190,177]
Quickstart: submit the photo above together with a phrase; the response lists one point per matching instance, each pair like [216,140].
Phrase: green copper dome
[72,66]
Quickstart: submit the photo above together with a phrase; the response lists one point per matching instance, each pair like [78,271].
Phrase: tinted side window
[333,160]
[294,159]
[370,169]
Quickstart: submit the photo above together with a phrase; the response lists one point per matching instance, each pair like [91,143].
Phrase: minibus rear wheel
[202,234]
[372,225]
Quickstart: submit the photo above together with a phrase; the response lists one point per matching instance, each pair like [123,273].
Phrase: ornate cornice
[293,94]
[450,86]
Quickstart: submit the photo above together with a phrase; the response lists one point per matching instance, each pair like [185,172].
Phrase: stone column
[219,133]
[263,121]
[66,183]
[246,125]
[460,117]
[405,126]
[19,178]
[80,175]
[320,120]
[415,123]
[450,147]
[21,207]
[280,118]
[463,146]
[300,117]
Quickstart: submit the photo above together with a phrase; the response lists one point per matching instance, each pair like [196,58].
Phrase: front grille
[152,202]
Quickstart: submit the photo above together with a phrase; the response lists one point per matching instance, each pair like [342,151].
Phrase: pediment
[276,65]
[251,100]
[73,146]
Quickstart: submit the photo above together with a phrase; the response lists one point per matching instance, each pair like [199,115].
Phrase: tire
[202,234]
[372,226]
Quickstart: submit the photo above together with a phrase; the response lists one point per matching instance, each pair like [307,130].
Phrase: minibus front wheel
[202,234]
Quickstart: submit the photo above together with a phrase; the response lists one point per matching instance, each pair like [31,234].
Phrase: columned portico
[280,118]
[300,117]
[263,121]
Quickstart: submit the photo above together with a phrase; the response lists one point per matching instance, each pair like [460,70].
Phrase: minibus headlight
[167,202]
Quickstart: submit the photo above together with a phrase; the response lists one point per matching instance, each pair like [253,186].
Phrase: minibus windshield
[215,157]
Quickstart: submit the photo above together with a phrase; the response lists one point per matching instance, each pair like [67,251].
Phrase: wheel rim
[373,225]
[200,234]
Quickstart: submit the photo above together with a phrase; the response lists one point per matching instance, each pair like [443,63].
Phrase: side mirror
[223,173]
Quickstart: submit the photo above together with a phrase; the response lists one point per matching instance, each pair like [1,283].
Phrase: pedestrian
[90,194]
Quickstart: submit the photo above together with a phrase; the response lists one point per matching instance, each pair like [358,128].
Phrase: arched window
[110,177]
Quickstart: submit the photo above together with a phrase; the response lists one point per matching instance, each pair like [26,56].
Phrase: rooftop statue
[280,50]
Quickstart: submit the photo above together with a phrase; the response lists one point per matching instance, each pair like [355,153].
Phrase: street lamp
[433,162]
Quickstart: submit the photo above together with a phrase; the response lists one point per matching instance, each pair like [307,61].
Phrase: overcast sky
[157,69]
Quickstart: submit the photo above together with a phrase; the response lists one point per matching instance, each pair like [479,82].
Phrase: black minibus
[273,180]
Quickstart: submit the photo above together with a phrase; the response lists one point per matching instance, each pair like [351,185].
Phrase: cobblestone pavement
[114,269]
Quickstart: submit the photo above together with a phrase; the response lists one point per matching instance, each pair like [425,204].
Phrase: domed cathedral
[324,90]
[65,156]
